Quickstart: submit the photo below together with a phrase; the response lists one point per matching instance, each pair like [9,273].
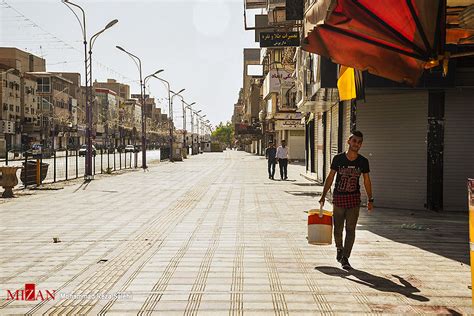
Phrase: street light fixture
[142,87]
[185,129]
[170,113]
[88,80]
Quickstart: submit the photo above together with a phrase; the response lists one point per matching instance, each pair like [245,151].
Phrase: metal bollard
[38,172]
[26,169]
[470,194]
[77,164]
[66,163]
[54,165]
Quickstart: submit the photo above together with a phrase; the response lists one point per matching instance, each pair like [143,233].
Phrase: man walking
[270,154]
[346,196]
[282,158]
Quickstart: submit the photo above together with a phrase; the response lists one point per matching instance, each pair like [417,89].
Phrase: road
[213,235]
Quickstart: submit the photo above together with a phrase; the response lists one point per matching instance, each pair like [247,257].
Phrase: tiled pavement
[213,236]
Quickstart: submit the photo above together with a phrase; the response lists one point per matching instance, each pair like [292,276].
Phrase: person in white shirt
[282,158]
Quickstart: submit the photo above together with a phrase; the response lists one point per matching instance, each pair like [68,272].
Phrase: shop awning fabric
[395,39]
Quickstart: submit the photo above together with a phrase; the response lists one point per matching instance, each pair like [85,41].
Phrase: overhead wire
[44,37]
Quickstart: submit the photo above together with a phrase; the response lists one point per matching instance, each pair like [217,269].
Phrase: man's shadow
[376,282]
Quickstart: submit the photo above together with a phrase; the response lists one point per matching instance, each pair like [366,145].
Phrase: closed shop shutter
[346,128]
[327,150]
[334,130]
[320,148]
[315,149]
[394,124]
[296,140]
[458,148]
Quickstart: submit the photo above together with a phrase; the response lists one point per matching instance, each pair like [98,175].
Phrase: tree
[224,133]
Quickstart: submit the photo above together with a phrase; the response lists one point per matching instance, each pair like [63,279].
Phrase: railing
[70,164]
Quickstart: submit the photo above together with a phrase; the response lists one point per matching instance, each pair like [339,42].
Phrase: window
[27,110]
[17,109]
[32,111]
[11,107]
[44,85]
[5,107]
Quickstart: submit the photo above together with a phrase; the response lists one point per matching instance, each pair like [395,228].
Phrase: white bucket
[319,227]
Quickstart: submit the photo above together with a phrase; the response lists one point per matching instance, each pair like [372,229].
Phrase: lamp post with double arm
[171,112]
[88,80]
[183,103]
[142,101]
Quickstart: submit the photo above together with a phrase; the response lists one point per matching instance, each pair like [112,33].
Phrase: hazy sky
[198,43]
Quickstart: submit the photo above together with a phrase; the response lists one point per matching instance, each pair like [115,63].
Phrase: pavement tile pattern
[213,235]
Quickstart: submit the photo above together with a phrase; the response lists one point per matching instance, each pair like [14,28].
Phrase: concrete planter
[8,180]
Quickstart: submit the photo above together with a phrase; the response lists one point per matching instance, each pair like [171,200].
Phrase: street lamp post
[139,65]
[88,81]
[171,113]
[197,128]
[184,117]
[184,122]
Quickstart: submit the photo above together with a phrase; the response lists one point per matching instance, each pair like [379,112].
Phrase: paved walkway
[212,235]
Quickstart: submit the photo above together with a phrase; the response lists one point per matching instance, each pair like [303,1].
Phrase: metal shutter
[320,148]
[334,130]
[296,145]
[458,148]
[346,127]
[327,150]
[394,124]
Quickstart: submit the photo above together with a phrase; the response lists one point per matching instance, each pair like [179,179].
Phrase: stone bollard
[8,180]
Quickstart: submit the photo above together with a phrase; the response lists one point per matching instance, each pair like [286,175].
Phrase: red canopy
[395,39]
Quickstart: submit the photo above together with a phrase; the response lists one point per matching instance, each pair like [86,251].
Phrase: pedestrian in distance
[347,167]
[282,159]
[270,154]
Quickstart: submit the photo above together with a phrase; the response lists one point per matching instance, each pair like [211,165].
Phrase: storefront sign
[274,80]
[279,39]
[288,116]
[289,125]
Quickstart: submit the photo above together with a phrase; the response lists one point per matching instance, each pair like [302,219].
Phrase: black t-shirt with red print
[348,173]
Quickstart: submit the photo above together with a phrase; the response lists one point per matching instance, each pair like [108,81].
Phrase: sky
[198,43]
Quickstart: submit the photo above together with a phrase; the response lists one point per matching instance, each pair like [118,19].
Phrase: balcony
[272,4]
[255,4]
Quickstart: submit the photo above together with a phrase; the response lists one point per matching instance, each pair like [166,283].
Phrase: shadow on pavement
[376,282]
[444,234]
[304,193]
[83,185]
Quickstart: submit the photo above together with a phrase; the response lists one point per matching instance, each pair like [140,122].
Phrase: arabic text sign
[279,39]
[275,79]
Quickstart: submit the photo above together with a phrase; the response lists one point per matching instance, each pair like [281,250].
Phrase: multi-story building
[249,130]
[122,90]
[21,60]
[56,100]
[30,116]
[10,114]
[106,117]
